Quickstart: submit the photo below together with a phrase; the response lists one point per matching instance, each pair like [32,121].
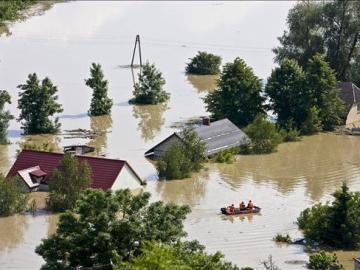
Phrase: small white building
[35,168]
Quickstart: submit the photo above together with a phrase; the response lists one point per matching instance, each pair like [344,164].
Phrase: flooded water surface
[63,42]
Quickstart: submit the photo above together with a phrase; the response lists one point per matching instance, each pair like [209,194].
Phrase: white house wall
[126,179]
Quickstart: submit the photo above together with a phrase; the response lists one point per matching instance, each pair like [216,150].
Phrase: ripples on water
[61,44]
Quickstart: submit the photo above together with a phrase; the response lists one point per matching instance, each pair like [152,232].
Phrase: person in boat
[242,206]
[250,205]
[231,208]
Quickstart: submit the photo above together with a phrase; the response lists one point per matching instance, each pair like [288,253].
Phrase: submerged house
[217,136]
[34,169]
[350,94]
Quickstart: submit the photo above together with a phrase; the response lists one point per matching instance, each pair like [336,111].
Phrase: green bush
[279,238]
[336,224]
[149,89]
[323,261]
[264,137]
[12,201]
[9,10]
[204,64]
[5,116]
[288,132]
[180,159]
[226,156]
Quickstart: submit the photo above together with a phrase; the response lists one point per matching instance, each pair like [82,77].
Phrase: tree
[38,102]
[312,123]
[323,261]
[11,199]
[238,95]
[336,224]
[149,89]
[182,157]
[287,95]
[180,256]
[204,64]
[100,103]
[321,80]
[264,136]
[330,27]
[5,116]
[67,182]
[105,225]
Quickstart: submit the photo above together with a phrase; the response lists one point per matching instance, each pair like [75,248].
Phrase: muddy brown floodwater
[64,41]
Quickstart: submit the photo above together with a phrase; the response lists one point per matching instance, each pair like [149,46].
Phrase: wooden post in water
[137,42]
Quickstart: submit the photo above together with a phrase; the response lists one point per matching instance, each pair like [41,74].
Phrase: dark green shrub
[12,201]
[204,64]
[279,238]
[226,156]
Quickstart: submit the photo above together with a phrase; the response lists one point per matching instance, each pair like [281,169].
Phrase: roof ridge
[62,154]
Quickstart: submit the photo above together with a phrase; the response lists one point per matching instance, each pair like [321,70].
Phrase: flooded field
[64,41]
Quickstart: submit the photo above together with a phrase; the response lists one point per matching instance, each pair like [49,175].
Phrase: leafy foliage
[67,182]
[204,64]
[11,199]
[105,225]
[5,116]
[308,100]
[331,28]
[180,256]
[279,238]
[100,103]
[336,224]
[38,102]
[183,157]
[238,95]
[226,156]
[149,89]
[323,261]
[264,137]
[9,10]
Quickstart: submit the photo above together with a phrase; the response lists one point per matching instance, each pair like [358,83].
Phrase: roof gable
[104,171]
[349,93]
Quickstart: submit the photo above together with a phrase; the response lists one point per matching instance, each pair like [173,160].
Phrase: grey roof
[349,93]
[220,135]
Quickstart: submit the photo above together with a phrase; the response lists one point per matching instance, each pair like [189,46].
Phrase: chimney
[206,121]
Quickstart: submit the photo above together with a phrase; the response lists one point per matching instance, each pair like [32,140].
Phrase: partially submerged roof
[104,170]
[350,94]
[25,175]
[218,136]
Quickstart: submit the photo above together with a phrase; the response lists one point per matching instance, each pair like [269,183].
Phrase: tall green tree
[204,64]
[100,103]
[324,91]
[288,96]
[149,89]
[11,199]
[107,225]
[5,116]
[328,27]
[67,182]
[238,95]
[38,102]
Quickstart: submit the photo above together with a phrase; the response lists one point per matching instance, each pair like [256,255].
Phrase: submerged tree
[204,64]
[67,182]
[11,199]
[149,89]
[328,27]
[336,224]
[104,225]
[100,103]
[5,116]
[183,157]
[38,102]
[238,95]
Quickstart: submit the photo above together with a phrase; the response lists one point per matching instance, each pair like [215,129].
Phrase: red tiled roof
[38,173]
[104,171]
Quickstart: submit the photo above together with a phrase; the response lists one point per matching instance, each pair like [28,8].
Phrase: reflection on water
[51,141]
[203,82]
[4,159]
[150,119]
[11,232]
[101,125]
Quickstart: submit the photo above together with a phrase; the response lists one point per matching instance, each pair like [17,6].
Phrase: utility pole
[137,43]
